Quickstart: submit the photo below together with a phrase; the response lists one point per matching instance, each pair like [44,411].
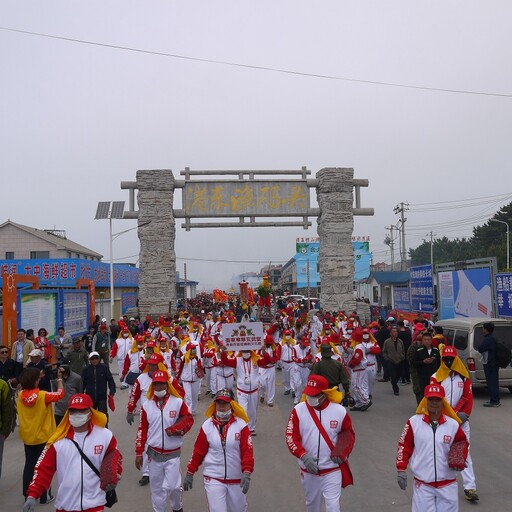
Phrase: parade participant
[332,370]
[453,376]
[120,349]
[393,355]
[210,362]
[286,359]
[224,447]
[247,381]
[164,420]
[426,360]
[36,420]
[6,416]
[426,442]
[269,355]
[101,343]
[195,335]
[42,343]
[98,381]
[320,434]
[224,371]
[20,350]
[190,373]
[163,346]
[132,361]
[359,380]
[79,451]
[302,358]
[372,350]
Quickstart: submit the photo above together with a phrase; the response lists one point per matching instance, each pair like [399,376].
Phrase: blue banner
[64,272]
[504,294]
[128,300]
[401,298]
[422,289]
[307,254]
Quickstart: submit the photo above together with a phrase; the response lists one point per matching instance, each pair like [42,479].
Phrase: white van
[466,334]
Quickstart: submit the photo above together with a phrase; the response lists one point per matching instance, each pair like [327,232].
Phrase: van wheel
[510,388]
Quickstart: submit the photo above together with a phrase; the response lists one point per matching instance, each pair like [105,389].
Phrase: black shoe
[397,393]
[492,404]
[367,406]
[144,480]
[355,408]
[382,380]
[287,392]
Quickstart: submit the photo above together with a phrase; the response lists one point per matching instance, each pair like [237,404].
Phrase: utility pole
[431,249]
[390,240]
[401,209]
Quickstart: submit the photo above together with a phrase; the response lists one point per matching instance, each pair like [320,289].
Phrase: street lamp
[110,210]
[508,239]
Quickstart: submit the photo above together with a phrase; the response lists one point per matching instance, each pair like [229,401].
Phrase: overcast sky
[77,119]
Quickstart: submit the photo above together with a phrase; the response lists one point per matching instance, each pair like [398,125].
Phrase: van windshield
[502,333]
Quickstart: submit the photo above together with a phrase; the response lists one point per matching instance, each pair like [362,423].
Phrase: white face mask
[160,394]
[314,401]
[246,355]
[223,416]
[140,347]
[125,335]
[79,419]
[366,337]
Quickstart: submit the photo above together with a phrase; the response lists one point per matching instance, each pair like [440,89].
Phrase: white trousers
[224,382]
[299,380]
[191,392]
[468,475]
[249,402]
[442,499]
[224,497]
[371,371]
[359,388]
[211,380]
[286,371]
[120,365]
[165,483]
[268,383]
[326,486]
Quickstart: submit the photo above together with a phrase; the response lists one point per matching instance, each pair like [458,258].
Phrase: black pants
[101,405]
[32,453]
[395,373]
[492,378]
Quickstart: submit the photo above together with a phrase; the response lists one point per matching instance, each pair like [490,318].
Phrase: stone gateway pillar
[157,232]
[335,225]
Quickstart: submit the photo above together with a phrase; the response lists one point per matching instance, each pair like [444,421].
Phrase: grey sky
[77,119]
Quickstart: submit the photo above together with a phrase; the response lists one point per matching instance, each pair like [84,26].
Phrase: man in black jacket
[97,381]
[426,360]
[491,369]
[381,336]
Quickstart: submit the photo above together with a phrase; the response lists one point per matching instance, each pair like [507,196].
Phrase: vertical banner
[307,253]
[422,289]
[362,260]
[401,298]
[504,294]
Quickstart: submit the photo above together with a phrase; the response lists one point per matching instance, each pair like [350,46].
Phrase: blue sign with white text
[422,288]
[504,294]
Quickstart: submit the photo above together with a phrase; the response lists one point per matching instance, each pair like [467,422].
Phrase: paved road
[275,484]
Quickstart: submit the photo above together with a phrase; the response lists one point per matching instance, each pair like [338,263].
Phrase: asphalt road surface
[275,483]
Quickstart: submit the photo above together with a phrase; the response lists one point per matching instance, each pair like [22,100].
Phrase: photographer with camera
[36,361]
[73,384]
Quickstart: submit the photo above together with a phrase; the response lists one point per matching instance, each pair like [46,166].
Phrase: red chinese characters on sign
[46,271]
[37,270]
[55,271]
[63,270]
[72,271]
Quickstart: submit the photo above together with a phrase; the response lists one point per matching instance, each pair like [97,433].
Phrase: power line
[259,68]
[462,200]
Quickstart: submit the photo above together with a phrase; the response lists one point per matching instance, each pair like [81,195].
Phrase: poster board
[243,336]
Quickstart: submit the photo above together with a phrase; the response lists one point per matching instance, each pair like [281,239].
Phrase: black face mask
[448,361]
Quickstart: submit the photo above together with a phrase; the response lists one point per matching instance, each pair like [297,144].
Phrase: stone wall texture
[157,233]
[335,225]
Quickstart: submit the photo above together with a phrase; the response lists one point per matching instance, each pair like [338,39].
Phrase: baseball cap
[80,401]
[449,351]
[316,384]
[225,395]
[160,376]
[155,359]
[93,354]
[434,391]
[35,353]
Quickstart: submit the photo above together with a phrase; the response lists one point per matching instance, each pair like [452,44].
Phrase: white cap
[103,320]
[131,318]
[92,354]
[35,353]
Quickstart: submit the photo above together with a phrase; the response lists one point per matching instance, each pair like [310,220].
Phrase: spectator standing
[87,339]
[77,357]
[394,355]
[73,384]
[20,350]
[37,423]
[6,417]
[101,343]
[43,344]
[37,361]
[426,360]
[491,369]
[381,336]
[62,342]
[7,367]
[331,369]
[114,330]
[97,382]
[404,333]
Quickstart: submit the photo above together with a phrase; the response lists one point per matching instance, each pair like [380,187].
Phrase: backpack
[503,355]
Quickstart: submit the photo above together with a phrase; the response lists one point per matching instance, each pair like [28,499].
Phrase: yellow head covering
[447,409]
[97,418]
[457,366]
[254,356]
[333,395]
[134,348]
[235,407]
[170,389]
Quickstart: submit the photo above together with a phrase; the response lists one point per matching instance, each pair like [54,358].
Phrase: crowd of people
[329,363]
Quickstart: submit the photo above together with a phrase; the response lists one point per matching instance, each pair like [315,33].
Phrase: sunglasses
[3,352]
